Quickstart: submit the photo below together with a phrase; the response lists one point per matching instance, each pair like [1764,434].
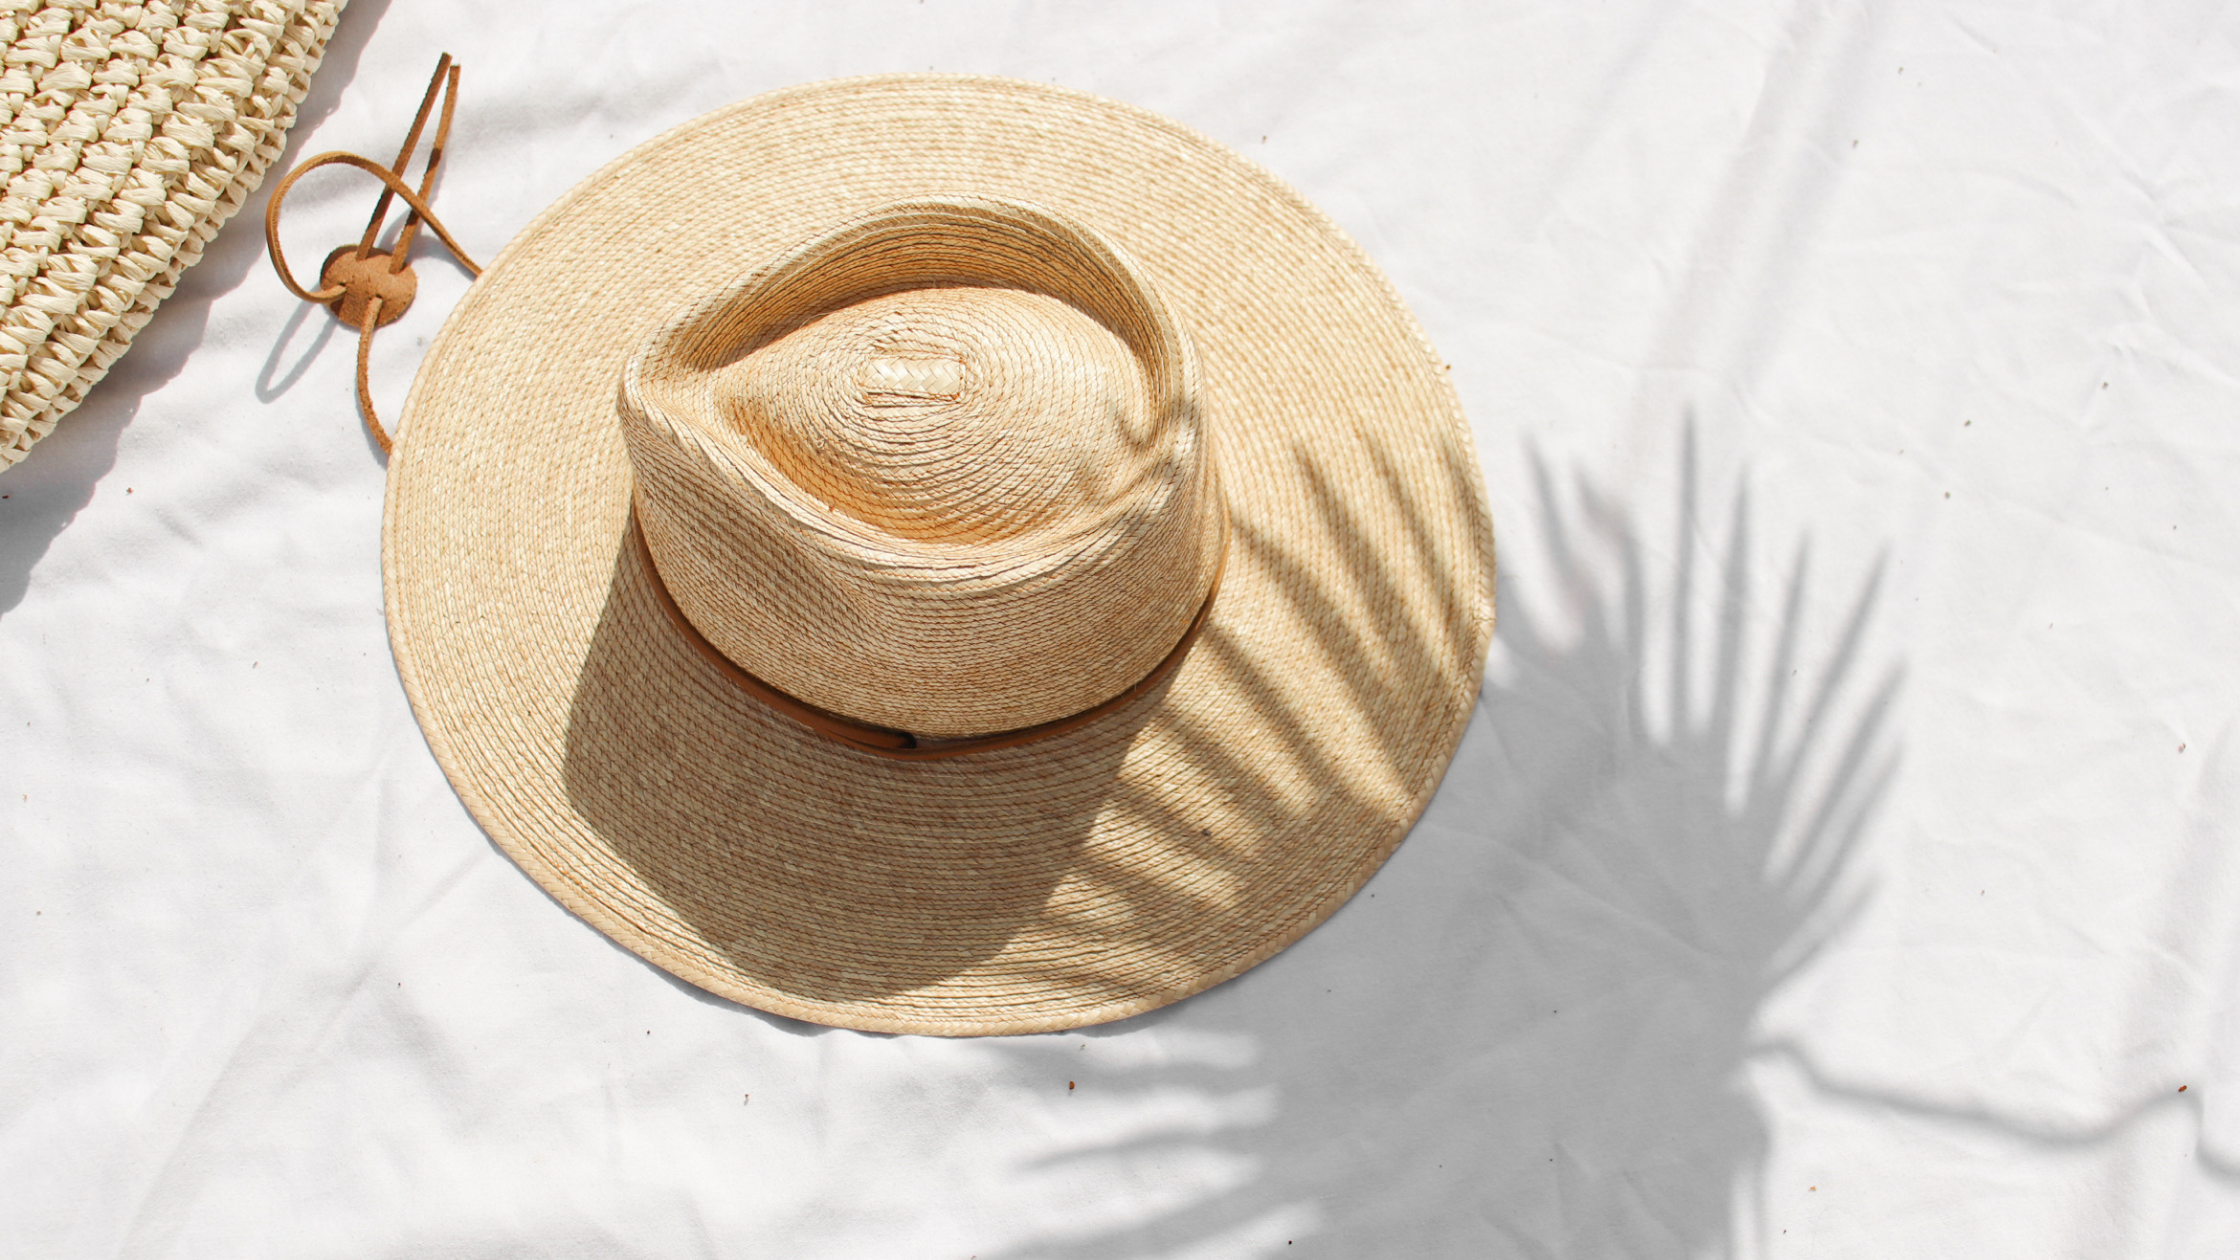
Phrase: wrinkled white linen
[1839,864]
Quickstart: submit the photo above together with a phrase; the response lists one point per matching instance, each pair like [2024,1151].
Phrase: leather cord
[367,287]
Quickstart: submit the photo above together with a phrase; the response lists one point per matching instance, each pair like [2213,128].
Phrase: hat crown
[940,469]
[959,413]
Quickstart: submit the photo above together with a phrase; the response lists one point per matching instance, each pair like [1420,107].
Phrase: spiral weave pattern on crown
[940,470]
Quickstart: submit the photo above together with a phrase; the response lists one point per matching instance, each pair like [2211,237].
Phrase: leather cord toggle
[366,287]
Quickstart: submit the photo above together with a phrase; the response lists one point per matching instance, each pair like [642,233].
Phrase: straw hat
[132,133]
[939,554]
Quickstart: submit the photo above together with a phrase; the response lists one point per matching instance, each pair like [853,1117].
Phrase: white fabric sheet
[1840,862]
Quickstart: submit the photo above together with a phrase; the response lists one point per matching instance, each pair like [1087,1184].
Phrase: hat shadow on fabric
[622,747]
[1528,1035]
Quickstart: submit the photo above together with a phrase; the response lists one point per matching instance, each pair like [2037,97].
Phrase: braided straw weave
[974,497]
[920,313]
[132,133]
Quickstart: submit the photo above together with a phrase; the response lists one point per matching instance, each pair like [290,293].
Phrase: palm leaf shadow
[1533,1042]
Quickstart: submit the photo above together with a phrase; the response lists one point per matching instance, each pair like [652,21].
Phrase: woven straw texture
[1165,847]
[132,133]
[944,507]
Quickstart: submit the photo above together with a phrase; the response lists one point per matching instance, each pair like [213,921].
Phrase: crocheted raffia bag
[131,133]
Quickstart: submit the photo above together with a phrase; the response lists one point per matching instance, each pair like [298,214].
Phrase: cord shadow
[271,381]
[1648,832]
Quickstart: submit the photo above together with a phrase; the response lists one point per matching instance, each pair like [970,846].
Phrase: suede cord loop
[365,287]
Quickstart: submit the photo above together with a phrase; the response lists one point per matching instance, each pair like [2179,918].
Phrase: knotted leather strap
[364,286]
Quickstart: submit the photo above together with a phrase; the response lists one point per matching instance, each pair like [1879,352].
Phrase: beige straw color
[132,133]
[973,496]
[881,321]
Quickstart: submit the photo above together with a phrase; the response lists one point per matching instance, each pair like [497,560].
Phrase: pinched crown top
[940,470]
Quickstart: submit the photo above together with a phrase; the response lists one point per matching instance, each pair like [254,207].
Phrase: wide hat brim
[1093,875]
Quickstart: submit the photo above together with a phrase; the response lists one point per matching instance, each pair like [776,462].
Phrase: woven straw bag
[132,133]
